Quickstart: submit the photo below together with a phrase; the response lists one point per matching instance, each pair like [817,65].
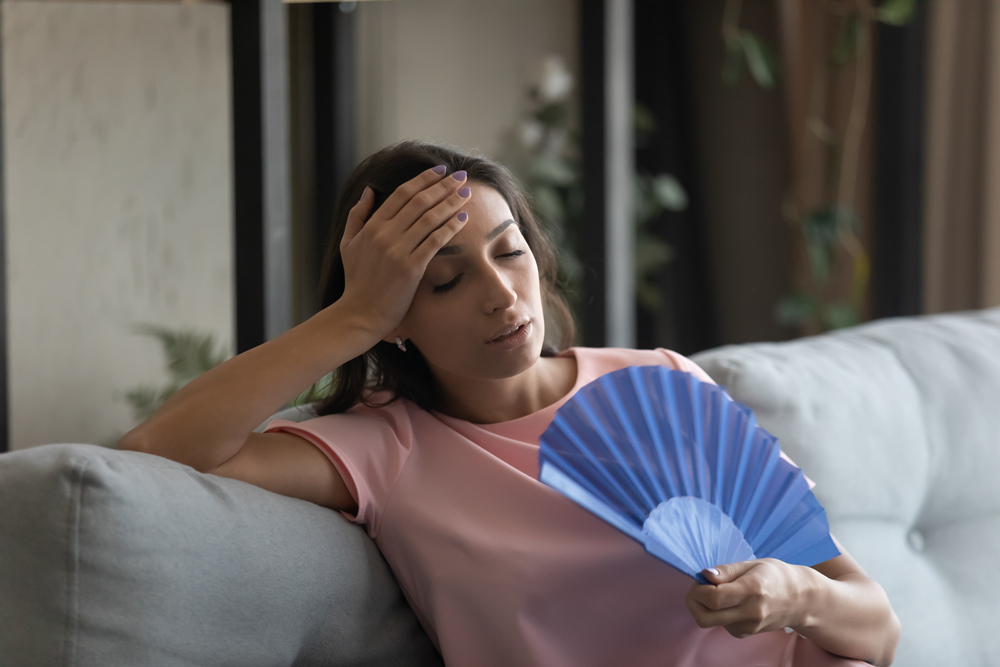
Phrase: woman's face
[483,283]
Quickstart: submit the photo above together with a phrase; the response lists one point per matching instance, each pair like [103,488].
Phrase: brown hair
[385,367]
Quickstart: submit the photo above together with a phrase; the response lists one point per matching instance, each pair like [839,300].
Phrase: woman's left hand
[750,597]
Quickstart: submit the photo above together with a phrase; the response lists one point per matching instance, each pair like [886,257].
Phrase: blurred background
[715,171]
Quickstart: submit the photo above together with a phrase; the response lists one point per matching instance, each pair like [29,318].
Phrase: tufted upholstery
[898,422]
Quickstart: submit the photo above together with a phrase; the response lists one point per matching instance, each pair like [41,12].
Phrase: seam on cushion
[72,588]
[923,421]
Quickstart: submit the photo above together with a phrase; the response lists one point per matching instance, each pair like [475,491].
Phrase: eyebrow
[456,249]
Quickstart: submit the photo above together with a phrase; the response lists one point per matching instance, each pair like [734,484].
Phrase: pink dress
[502,570]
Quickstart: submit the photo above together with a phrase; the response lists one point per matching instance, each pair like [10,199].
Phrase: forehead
[486,205]
[487,209]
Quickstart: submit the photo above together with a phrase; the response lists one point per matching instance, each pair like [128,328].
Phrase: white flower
[555,81]
[530,133]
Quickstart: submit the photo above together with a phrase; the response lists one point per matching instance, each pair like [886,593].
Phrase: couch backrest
[898,423]
[121,558]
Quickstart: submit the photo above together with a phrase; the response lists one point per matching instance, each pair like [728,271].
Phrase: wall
[118,189]
[453,71]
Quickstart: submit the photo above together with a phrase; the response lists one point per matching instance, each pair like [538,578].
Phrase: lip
[508,328]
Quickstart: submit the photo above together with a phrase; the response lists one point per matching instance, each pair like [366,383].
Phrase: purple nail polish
[459,175]
[463,216]
[440,169]
[464,192]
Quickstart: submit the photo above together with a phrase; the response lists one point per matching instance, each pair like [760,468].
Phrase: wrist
[813,590]
[356,327]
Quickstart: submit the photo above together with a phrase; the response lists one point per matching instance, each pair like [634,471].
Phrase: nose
[499,293]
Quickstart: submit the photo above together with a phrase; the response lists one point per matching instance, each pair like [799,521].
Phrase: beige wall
[453,71]
[118,184]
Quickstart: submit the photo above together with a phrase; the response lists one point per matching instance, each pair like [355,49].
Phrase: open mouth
[514,336]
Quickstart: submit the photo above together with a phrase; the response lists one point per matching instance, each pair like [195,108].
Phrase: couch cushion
[898,423]
[122,558]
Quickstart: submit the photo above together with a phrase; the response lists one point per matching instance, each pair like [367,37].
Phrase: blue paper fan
[679,466]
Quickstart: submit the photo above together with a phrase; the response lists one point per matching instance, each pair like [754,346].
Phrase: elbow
[134,441]
[893,630]
[138,440]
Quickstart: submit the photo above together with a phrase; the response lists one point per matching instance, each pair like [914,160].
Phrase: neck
[493,401]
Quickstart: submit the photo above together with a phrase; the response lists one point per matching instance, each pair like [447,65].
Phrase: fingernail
[363,193]
[440,169]
[713,571]
[464,192]
[459,175]
[463,216]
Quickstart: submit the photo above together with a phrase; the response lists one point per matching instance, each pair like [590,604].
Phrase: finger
[718,597]
[424,201]
[356,217]
[744,617]
[730,572]
[436,240]
[402,195]
[436,217]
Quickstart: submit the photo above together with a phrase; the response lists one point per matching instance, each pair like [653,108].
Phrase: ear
[391,338]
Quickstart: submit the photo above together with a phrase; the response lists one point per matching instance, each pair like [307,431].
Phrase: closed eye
[454,281]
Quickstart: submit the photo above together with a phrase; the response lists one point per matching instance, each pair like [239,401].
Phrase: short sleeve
[368,449]
[682,363]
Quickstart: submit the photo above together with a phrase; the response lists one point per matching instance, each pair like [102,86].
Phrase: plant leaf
[795,309]
[762,63]
[669,192]
[552,114]
[552,170]
[839,316]
[651,254]
[648,296]
[897,12]
[847,42]
[733,64]
[645,121]
[551,209]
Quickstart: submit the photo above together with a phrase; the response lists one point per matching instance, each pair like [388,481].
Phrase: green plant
[188,354]
[544,154]
[831,230]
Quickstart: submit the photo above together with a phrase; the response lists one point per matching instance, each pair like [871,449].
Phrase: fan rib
[557,479]
[654,430]
[721,451]
[632,439]
[616,452]
[601,470]
[741,468]
[785,499]
[700,462]
[678,441]
[649,466]
[759,489]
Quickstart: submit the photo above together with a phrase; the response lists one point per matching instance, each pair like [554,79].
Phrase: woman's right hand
[385,257]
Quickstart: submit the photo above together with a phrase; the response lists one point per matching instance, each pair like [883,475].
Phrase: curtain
[962,172]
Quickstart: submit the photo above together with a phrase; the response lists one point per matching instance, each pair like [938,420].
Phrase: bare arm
[834,604]
[207,422]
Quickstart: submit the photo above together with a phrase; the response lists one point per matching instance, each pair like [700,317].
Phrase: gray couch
[121,558]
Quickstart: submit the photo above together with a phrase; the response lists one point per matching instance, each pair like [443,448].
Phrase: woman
[439,280]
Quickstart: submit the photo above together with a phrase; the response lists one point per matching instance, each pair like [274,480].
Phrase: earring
[400,344]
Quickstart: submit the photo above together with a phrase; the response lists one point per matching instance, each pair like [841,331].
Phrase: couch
[122,558]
